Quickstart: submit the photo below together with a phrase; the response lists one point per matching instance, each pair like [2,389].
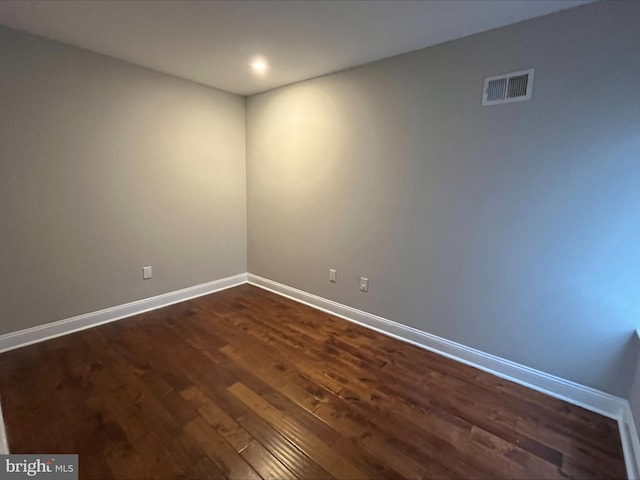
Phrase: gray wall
[106,167]
[513,229]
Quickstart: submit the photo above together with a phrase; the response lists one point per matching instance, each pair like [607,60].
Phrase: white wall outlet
[147,273]
[332,275]
[364,284]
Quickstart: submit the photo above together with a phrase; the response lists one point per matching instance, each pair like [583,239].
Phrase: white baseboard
[574,393]
[4,445]
[40,333]
[630,442]
[600,402]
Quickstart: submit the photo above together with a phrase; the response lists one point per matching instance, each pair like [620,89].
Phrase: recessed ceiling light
[259,66]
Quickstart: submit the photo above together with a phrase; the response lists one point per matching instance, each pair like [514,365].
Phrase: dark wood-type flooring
[245,384]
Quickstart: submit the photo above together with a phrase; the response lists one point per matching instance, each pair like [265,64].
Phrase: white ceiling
[212,42]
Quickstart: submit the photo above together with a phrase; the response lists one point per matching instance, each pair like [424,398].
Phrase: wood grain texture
[246,384]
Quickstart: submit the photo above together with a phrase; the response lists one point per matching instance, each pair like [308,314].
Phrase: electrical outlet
[364,284]
[147,273]
[332,275]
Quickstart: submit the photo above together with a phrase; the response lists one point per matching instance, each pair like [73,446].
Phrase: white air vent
[507,88]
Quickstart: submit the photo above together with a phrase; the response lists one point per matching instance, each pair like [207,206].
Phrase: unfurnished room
[319,239]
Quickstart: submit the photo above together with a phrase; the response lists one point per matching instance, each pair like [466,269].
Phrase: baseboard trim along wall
[571,392]
[40,333]
[574,393]
[4,444]
[630,442]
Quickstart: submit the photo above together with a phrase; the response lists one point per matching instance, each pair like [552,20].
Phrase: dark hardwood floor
[244,384]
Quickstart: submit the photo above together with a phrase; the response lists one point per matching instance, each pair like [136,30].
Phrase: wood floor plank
[158,461]
[271,381]
[205,469]
[310,444]
[385,448]
[127,464]
[281,448]
[266,464]
[226,459]
[247,384]
[379,466]
[222,423]
[515,462]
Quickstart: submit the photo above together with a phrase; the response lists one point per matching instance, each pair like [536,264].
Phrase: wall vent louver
[508,87]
